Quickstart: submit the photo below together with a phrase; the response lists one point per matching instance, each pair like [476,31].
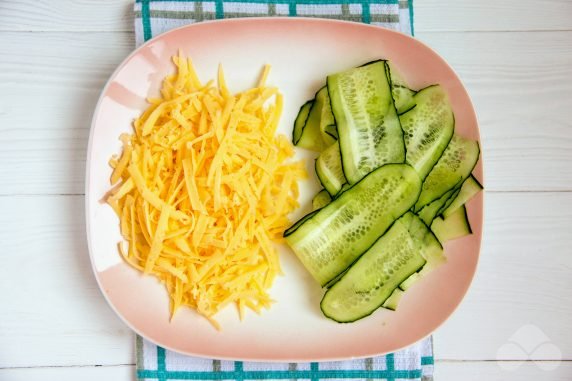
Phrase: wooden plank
[52,310]
[521,297]
[54,313]
[88,373]
[66,15]
[492,15]
[502,371]
[47,98]
[522,102]
[430,15]
[518,81]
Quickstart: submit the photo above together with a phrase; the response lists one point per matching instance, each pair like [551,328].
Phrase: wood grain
[523,104]
[505,371]
[52,310]
[430,15]
[492,15]
[47,98]
[515,80]
[88,373]
[66,15]
[55,314]
[522,283]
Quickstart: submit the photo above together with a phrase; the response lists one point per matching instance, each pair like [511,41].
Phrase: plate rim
[293,20]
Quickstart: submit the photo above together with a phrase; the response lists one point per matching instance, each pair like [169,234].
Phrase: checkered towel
[157,364]
[153,17]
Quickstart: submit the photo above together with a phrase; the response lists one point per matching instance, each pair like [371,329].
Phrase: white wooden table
[515,57]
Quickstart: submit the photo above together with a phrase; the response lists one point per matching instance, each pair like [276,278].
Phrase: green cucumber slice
[314,123]
[368,126]
[327,121]
[427,129]
[433,250]
[454,166]
[393,300]
[430,211]
[300,121]
[379,271]
[402,94]
[311,136]
[336,235]
[469,189]
[345,187]
[299,223]
[329,169]
[321,199]
[449,200]
[435,258]
[334,280]
[407,283]
[455,226]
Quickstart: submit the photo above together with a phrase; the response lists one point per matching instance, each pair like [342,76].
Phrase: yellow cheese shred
[203,189]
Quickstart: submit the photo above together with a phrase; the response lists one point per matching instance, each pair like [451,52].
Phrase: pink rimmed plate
[302,51]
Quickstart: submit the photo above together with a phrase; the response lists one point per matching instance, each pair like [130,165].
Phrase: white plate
[302,52]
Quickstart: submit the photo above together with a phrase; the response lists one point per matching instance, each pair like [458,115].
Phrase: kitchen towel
[158,364]
[153,17]
[154,363]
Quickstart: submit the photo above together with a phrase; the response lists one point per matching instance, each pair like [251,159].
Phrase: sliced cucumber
[410,281]
[393,300]
[345,187]
[427,129]
[469,189]
[300,121]
[299,223]
[368,126]
[432,249]
[455,226]
[311,137]
[454,166]
[380,270]
[314,122]
[336,235]
[321,199]
[327,121]
[402,94]
[449,200]
[329,169]
[430,211]
[335,280]
[433,255]
[435,258]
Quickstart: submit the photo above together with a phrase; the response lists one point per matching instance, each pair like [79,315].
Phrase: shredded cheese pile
[203,188]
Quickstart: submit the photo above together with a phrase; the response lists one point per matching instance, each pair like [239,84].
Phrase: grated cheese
[203,188]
